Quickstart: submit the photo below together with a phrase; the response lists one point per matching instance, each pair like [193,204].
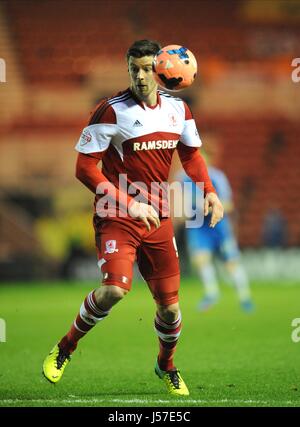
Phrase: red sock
[168,334]
[89,315]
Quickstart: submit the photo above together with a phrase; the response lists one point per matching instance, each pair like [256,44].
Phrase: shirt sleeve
[190,135]
[92,177]
[102,126]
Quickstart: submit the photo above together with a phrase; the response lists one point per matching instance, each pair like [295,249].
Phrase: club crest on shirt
[172,120]
[110,246]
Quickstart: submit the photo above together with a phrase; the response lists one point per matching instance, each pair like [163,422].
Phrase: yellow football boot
[173,380]
[55,363]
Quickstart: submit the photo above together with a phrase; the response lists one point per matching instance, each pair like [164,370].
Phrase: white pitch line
[183,401]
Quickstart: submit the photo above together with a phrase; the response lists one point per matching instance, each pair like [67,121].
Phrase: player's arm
[195,167]
[91,176]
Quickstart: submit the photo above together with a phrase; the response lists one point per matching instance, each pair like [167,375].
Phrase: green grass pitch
[227,357]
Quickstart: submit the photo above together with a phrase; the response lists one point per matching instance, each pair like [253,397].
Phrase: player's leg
[95,307]
[240,281]
[237,273]
[167,324]
[200,244]
[202,262]
[158,263]
[116,264]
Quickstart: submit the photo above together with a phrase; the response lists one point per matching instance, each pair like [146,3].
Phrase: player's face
[141,76]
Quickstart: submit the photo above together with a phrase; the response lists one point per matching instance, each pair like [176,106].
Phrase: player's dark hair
[142,48]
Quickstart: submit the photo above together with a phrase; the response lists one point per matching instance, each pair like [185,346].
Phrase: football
[174,67]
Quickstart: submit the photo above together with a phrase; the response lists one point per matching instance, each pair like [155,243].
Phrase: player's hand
[144,213]
[212,203]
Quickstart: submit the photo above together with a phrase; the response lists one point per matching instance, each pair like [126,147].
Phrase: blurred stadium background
[62,57]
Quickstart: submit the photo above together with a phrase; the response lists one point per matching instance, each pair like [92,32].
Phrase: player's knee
[231,265]
[201,259]
[109,295]
[169,313]
[114,293]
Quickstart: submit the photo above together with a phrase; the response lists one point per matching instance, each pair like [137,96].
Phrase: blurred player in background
[204,244]
[135,134]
